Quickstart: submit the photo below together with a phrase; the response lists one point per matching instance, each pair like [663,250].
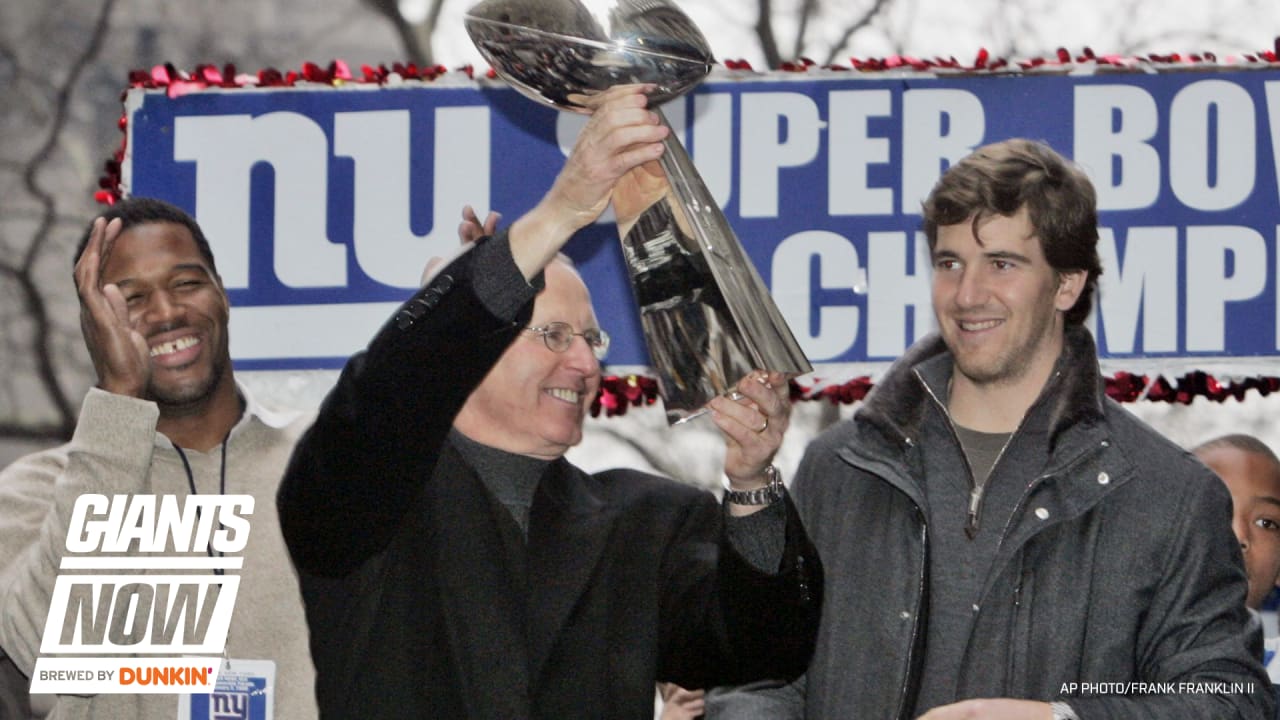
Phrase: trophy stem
[708,318]
[749,299]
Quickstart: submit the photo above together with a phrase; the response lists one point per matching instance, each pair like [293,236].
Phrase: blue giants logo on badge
[245,691]
[229,706]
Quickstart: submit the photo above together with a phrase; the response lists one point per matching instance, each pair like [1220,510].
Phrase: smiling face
[178,305]
[998,303]
[1254,482]
[534,400]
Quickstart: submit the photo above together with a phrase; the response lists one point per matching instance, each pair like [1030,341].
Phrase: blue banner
[323,204]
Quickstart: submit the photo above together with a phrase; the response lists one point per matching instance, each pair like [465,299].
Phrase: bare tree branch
[409,38]
[839,46]
[433,15]
[764,31]
[35,302]
[808,9]
[427,29]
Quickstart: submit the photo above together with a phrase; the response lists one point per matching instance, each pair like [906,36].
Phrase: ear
[1070,285]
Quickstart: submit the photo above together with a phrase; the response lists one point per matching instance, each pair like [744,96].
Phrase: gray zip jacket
[1117,586]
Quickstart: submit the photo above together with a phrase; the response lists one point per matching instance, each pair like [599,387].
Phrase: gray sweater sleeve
[110,453]
[501,287]
[759,537]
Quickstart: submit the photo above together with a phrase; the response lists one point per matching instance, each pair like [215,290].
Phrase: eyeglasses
[558,336]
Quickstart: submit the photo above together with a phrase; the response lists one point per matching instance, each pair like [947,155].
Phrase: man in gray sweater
[165,419]
[1001,540]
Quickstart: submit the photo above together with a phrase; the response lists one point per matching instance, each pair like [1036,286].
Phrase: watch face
[775,477]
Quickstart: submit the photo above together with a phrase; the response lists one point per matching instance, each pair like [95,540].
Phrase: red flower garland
[618,393]
[176,82]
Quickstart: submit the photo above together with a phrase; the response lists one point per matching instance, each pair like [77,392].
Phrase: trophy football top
[561,52]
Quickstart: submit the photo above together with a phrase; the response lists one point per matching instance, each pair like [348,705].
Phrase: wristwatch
[769,494]
[1062,711]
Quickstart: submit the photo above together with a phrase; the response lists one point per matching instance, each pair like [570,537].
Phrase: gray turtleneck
[511,478]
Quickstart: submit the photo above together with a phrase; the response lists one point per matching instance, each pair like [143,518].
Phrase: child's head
[1252,474]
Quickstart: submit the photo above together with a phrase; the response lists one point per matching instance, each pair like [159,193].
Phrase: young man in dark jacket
[1001,540]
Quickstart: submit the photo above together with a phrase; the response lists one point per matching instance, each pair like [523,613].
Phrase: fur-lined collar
[1073,394]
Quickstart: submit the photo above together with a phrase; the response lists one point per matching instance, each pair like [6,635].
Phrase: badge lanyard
[248,682]
[222,487]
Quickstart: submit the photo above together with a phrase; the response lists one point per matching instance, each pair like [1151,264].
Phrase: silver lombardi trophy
[708,318]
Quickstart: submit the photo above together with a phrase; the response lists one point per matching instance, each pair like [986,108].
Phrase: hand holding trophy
[707,316]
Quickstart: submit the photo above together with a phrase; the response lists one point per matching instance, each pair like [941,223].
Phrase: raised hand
[637,191]
[753,420]
[471,229]
[119,352]
[621,134]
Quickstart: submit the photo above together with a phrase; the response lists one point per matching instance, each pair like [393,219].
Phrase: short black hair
[143,210]
[1243,443]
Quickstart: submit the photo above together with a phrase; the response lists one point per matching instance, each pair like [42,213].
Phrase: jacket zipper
[972,519]
[915,621]
[1011,662]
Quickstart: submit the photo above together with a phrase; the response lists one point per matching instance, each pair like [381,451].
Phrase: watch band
[771,493]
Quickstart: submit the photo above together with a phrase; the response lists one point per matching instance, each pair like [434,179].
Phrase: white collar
[272,418]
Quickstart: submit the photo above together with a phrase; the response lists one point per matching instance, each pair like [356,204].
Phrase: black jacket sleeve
[379,432]
[726,621]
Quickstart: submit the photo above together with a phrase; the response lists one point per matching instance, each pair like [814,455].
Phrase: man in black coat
[455,565]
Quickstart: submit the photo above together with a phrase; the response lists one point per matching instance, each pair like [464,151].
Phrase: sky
[945,27]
